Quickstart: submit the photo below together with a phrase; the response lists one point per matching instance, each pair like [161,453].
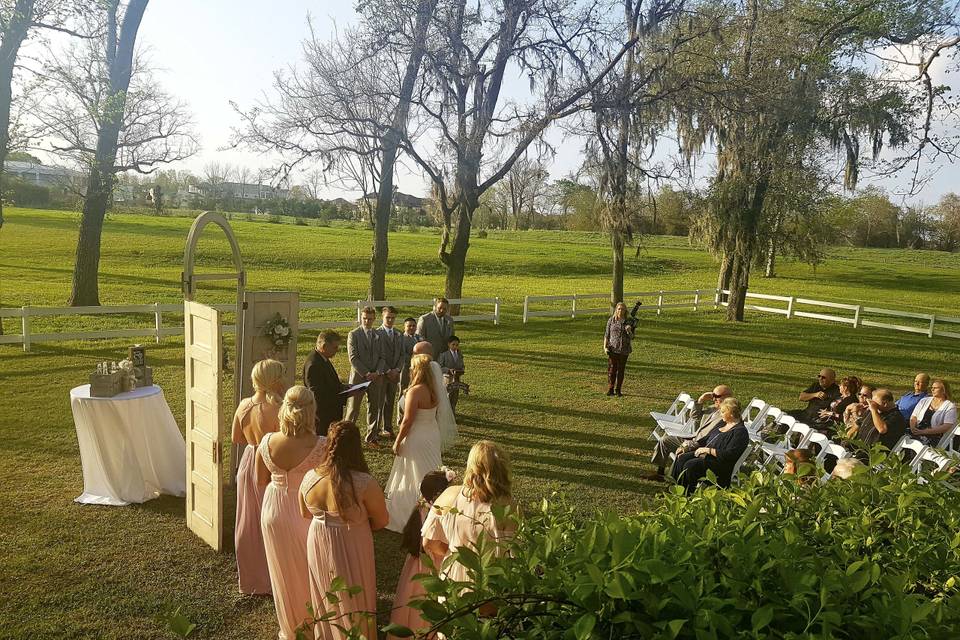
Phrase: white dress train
[419,455]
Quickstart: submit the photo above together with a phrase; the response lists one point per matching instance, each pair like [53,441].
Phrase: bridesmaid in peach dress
[432,485]
[344,505]
[255,417]
[486,483]
[282,460]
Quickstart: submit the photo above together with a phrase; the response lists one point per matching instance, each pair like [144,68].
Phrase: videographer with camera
[617,345]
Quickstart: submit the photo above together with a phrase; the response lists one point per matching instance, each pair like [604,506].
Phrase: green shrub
[300,222]
[482,233]
[274,219]
[875,556]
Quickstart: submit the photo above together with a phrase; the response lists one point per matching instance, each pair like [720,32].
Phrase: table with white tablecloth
[131,449]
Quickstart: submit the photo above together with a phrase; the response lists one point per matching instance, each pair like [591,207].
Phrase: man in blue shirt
[907,403]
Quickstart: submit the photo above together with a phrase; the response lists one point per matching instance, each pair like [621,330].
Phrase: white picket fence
[933,325]
[158,330]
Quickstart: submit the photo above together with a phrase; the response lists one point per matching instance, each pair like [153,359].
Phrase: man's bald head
[722,391]
[423,348]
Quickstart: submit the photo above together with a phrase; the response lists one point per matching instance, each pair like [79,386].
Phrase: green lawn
[71,571]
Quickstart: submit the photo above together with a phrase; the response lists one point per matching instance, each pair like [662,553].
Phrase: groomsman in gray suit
[391,349]
[436,327]
[408,341]
[366,363]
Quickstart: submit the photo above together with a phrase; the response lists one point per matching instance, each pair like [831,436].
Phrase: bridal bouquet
[278,331]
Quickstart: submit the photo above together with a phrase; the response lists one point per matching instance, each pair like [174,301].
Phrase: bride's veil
[445,418]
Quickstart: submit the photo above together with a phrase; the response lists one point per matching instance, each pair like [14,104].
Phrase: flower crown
[449,473]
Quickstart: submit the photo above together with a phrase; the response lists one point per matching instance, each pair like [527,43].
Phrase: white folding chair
[795,437]
[909,444]
[947,440]
[930,462]
[831,449]
[735,475]
[754,413]
[769,421]
[677,419]
[820,441]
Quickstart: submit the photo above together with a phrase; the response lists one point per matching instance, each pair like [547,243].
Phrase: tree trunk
[723,277]
[616,284]
[13,36]
[391,144]
[456,260]
[100,181]
[739,282]
[770,270]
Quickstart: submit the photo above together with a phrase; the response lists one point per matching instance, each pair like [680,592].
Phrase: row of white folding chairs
[678,419]
[923,453]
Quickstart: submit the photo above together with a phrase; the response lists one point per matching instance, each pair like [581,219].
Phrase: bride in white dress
[417,446]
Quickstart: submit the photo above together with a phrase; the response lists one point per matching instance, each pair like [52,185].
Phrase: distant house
[240,191]
[43,175]
[400,199]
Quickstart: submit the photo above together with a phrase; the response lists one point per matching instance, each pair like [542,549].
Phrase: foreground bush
[871,557]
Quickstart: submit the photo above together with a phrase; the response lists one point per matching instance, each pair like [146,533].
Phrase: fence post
[25,327]
[933,320]
[158,320]
[496,311]
[716,299]
[696,300]
[790,308]
[856,317]
[660,302]
[526,305]
[359,307]
[574,314]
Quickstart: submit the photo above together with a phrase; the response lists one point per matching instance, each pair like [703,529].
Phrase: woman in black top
[849,387]
[617,345]
[717,452]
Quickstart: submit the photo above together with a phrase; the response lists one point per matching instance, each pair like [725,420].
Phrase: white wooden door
[258,308]
[204,424]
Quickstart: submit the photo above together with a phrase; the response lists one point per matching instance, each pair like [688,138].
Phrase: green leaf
[583,627]
[761,617]
[398,630]
[674,627]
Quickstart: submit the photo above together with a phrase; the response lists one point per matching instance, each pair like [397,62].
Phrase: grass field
[71,571]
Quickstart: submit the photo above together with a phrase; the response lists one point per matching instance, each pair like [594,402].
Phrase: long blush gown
[419,455]
[252,572]
[409,589]
[341,545]
[461,529]
[285,538]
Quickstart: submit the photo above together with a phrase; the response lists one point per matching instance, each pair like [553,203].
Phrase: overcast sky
[215,51]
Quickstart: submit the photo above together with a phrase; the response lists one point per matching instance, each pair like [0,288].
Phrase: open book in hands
[351,389]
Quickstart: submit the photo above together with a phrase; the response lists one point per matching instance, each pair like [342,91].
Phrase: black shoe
[619,393]
[609,392]
[653,477]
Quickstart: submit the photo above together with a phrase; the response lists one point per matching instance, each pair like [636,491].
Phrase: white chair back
[930,462]
[679,404]
[804,431]
[819,440]
[906,443]
[947,440]
[770,420]
[754,413]
[735,475]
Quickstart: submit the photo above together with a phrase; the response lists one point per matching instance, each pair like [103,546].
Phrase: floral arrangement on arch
[277,330]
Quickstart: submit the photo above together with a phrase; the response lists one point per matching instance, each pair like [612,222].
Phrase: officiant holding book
[320,376]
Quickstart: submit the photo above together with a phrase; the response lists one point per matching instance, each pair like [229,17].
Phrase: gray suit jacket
[707,422]
[450,362]
[391,349]
[365,355]
[435,331]
[407,343]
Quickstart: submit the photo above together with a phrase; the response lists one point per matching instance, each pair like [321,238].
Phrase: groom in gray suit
[366,363]
[436,327]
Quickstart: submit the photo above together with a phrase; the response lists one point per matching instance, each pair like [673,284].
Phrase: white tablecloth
[130,446]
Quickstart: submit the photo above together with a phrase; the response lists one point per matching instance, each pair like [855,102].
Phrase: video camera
[632,319]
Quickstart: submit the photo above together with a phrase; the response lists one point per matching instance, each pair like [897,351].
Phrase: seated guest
[818,396]
[718,452]
[909,401]
[856,412]
[849,387]
[887,425]
[934,415]
[706,421]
